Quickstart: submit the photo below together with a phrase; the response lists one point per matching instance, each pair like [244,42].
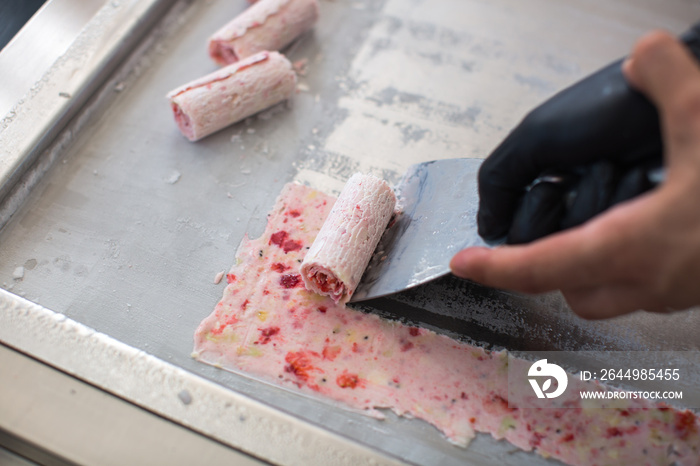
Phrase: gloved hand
[643,254]
[590,146]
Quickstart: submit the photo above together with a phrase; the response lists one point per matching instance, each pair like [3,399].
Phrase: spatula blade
[439,202]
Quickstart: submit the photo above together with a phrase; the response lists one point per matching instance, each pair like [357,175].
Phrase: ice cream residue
[269,326]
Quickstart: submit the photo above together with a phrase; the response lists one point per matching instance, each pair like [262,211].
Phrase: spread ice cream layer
[270,326]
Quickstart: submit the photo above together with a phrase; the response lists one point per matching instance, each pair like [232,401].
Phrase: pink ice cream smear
[269,326]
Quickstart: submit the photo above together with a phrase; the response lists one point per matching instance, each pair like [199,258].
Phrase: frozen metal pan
[114,225]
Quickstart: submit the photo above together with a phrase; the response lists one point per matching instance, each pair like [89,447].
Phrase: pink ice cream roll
[339,255]
[265,25]
[213,102]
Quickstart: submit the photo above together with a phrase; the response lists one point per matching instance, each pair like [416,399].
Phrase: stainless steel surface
[438,201]
[39,116]
[125,232]
[96,428]
[10,458]
[218,414]
[36,47]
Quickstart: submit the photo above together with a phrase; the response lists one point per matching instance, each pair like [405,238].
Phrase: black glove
[590,146]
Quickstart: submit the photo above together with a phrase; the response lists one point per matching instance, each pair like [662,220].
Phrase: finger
[572,259]
[634,182]
[660,66]
[501,183]
[592,194]
[664,69]
[540,213]
[611,301]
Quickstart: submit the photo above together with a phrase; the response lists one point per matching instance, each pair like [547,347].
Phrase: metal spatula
[439,202]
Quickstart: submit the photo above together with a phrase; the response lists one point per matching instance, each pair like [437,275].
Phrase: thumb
[663,69]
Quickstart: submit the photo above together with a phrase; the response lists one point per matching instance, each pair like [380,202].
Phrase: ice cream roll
[265,25]
[335,262]
[208,104]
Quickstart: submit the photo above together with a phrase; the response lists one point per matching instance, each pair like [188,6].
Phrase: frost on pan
[269,326]
[266,25]
[339,255]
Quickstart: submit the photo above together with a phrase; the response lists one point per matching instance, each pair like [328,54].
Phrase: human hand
[591,146]
[640,254]
[581,142]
